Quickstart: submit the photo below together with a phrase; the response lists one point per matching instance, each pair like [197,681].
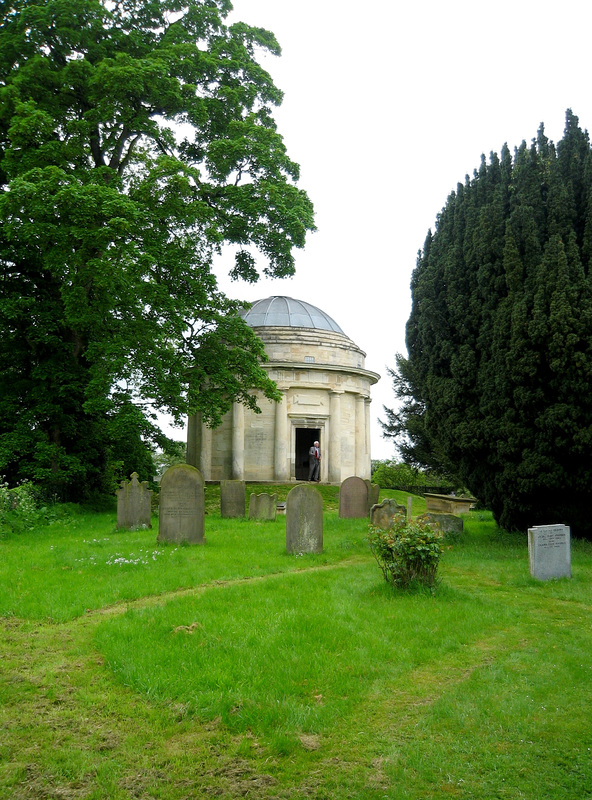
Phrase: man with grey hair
[314,463]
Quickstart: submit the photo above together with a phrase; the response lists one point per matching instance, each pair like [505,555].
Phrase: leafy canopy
[495,389]
[136,140]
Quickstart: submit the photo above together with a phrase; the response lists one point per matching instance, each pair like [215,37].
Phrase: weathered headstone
[263,506]
[449,524]
[373,493]
[353,498]
[382,515]
[304,520]
[182,512]
[133,503]
[232,499]
[549,551]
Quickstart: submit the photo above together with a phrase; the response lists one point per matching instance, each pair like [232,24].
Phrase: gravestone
[182,513]
[549,551]
[263,507]
[382,515]
[232,499]
[449,524]
[353,498]
[133,503]
[373,493]
[304,520]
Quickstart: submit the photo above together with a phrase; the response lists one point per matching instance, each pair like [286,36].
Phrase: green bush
[393,475]
[408,553]
[19,507]
[388,474]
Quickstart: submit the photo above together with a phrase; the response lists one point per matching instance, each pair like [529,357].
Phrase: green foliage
[20,508]
[389,474]
[176,454]
[408,553]
[136,140]
[494,390]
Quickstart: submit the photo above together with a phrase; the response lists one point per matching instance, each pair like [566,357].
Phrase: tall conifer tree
[495,387]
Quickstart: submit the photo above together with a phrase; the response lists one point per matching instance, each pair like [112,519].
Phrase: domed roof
[285,312]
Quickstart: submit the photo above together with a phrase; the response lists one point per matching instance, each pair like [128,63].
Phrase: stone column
[194,440]
[335,437]
[281,466]
[206,453]
[238,442]
[360,435]
[368,473]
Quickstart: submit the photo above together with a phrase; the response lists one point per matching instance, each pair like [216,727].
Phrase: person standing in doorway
[314,463]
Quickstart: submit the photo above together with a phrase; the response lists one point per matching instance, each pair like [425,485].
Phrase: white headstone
[549,552]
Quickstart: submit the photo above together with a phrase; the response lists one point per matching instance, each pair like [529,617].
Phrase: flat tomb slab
[448,504]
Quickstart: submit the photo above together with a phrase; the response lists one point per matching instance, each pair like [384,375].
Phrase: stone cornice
[373,377]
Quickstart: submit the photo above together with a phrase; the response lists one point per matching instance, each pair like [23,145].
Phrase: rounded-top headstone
[181,509]
[304,520]
[353,498]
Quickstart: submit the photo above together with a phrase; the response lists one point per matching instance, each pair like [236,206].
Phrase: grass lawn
[135,670]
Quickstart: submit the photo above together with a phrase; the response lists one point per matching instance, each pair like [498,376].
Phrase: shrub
[408,553]
[17,505]
[20,507]
[388,474]
[393,475]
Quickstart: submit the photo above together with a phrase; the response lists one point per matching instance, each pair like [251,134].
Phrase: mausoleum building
[325,389]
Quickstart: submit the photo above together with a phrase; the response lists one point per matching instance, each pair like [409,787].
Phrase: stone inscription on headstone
[133,503]
[182,512]
[232,499]
[382,515]
[549,551]
[304,520]
[353,498]
[263,507]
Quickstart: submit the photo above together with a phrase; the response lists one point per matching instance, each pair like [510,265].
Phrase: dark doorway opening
[305,438]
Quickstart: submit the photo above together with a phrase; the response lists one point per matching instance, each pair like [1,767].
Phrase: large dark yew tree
[496,387]
[136,138]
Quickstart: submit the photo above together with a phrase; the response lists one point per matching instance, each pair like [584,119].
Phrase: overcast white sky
[388,105]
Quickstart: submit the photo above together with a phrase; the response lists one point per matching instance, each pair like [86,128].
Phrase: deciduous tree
[136,140]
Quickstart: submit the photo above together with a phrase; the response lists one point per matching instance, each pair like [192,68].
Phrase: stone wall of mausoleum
[325,395]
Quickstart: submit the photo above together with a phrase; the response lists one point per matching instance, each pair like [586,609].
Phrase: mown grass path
[477,692]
